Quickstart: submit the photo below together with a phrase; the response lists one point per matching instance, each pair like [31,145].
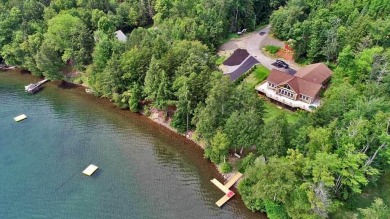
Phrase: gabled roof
[317,73]
[298,85]
[308,88]
[294,84]
[279,77]
[238,56]
[121,36]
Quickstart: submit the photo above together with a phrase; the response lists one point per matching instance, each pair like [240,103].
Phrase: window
[286,93]
[303,97]
[271,85]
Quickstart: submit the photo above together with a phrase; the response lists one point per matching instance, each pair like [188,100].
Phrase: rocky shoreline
[157,117]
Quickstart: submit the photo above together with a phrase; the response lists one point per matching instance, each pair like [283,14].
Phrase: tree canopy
[302,169]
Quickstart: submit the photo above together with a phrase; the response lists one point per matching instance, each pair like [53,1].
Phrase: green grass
[259,74]
[364,200]
[230,37]
[273,110]
[220,60]
[272,49]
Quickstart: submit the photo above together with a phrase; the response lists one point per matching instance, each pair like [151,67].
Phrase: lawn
[220,60]
[259,74]
[230,37]
[274,110]
[364,200]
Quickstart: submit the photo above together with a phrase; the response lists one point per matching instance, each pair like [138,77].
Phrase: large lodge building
[300,90]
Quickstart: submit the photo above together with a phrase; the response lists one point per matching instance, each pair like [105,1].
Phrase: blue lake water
[145,171]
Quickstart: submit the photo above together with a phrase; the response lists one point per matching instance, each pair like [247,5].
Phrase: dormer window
[287,87]
[271,85]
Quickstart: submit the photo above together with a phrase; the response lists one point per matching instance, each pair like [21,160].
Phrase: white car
[241,32]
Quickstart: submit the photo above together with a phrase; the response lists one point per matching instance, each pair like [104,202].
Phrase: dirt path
[253,42]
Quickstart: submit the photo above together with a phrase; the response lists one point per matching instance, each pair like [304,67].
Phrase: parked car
[241,32]
[281,63]
[262,33]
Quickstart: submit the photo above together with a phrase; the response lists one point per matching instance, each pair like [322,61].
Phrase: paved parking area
[253,42]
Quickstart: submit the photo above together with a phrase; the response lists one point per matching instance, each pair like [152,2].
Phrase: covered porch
[263,88]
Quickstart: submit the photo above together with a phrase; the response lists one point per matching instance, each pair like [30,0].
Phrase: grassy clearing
[272,49]
[220,60]
[230,37]
[273,110]
[364,200]
[259,74]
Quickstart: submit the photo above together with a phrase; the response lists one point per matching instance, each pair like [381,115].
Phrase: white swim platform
[90,170]
[20,118]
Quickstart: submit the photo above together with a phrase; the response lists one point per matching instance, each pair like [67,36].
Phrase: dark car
[281,63]
[277,65]
[262,33]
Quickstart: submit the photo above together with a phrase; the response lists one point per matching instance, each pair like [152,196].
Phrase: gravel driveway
[252,42]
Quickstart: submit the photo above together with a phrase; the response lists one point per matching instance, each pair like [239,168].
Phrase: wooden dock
[226,188]
[32,88]
[233,180]
[220,186]
[224,199]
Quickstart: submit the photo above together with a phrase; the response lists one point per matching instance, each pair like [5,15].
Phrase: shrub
[147,111]
[245,162]
[275,210]
[272,49]
[225,167]
[78,80]
[220,60]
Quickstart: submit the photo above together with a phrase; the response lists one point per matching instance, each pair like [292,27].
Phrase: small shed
[121,36]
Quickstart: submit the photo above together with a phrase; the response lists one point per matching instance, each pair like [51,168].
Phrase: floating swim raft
[20,118]
[90,170]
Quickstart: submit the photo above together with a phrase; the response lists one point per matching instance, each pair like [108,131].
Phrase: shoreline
[63,84]
[165,125]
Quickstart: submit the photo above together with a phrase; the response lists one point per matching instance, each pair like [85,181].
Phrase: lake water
[145,171]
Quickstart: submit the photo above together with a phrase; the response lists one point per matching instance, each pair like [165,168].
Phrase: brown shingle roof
[294,84]
[308,88]
[304,87]
[317,73]
[278,77]
[299,85]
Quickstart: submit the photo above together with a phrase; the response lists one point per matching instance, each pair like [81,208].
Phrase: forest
[309,168]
